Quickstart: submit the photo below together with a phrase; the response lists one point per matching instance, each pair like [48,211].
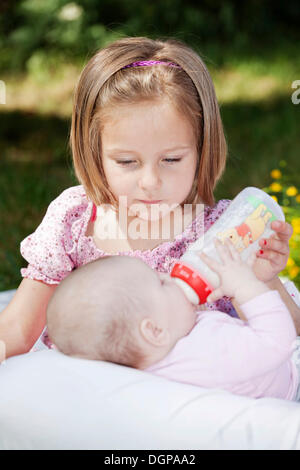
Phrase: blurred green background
[252,51]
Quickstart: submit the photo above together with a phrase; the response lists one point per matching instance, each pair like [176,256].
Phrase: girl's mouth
[149,202]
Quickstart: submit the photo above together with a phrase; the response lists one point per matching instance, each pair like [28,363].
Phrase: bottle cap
[193,279]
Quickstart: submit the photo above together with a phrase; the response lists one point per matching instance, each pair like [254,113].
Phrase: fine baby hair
[109,81]
[94,312]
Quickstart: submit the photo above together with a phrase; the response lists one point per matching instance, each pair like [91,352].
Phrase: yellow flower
[276,174]
[275,198]
[296,229]
[276,187]
[290,263]
[298,198]
[295,222]
[293,272]
[292,191]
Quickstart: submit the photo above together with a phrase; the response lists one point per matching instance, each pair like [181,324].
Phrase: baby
[118,309]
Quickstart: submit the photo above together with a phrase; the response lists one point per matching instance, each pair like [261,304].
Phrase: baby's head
[118,309]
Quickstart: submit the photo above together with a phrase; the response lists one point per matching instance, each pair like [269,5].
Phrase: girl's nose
[150,181]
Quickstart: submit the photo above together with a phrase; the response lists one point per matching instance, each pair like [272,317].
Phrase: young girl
[146,130]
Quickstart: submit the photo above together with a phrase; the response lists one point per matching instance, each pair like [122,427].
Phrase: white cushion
[51,401]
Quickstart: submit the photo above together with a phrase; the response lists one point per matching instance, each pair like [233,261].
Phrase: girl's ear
[154,334]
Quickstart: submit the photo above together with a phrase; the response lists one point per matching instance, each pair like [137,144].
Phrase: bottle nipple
[195,287]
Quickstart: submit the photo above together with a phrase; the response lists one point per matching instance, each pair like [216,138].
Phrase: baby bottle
[245,221]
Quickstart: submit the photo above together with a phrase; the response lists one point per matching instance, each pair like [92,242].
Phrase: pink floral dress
[59,244]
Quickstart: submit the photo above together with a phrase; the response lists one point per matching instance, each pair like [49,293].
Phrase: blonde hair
[103,86]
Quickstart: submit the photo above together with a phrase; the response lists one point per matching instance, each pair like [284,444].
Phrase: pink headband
[150,62]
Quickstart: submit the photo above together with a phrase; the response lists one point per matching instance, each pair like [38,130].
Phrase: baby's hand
[236,275]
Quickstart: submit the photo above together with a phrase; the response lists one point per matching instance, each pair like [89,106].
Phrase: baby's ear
[153,334]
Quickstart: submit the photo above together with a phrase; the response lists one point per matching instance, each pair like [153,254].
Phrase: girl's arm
[292,307]
[47,253]
[23,320]
[294,310]
[272,260]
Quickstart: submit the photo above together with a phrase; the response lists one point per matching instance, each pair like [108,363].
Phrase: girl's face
[149,155]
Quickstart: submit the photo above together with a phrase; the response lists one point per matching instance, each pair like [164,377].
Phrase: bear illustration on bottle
[250,230]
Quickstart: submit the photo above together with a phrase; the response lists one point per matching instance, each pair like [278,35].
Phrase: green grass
[259,136]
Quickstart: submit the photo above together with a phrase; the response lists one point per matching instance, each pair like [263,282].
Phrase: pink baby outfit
[59,243]
[252,358]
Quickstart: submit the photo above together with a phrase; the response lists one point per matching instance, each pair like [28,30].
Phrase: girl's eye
[125,162]
[172,160]
[128,162]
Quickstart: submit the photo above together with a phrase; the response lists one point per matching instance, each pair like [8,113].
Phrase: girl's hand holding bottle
[237,278]
[274,253]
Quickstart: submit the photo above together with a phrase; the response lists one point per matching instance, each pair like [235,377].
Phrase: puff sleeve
[51,250]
